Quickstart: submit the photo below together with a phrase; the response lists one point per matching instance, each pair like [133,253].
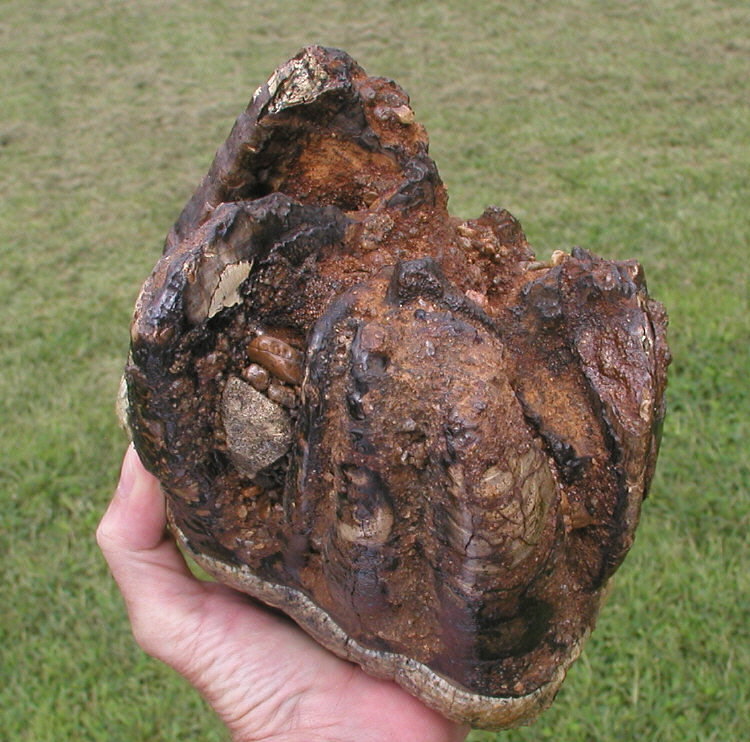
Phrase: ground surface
[616,126]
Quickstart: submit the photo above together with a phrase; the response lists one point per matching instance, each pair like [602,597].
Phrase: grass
[620,126]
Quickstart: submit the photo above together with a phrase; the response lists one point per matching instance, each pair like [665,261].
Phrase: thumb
[149,569]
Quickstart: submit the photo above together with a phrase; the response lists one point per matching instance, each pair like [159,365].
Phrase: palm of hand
[266,679]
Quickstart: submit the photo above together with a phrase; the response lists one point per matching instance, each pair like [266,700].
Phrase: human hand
[266,678]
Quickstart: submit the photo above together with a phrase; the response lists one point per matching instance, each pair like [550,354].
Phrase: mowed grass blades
[619,126]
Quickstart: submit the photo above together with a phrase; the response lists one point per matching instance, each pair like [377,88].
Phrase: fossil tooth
[447,441]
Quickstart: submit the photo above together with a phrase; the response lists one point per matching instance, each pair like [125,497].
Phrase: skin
[264,677]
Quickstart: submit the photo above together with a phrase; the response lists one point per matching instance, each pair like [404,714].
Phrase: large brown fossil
[424,445]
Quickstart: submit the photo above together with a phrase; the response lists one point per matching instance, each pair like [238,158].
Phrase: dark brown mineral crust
[427,447]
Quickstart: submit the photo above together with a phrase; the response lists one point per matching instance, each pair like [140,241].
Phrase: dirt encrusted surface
[427,446]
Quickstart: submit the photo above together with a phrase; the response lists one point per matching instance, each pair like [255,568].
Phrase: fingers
[159,590]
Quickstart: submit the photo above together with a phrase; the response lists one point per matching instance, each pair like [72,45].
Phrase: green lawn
[621,126]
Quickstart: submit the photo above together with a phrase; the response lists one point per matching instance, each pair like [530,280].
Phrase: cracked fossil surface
[426,446]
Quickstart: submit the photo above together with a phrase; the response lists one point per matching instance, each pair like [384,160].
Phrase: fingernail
[127,473]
